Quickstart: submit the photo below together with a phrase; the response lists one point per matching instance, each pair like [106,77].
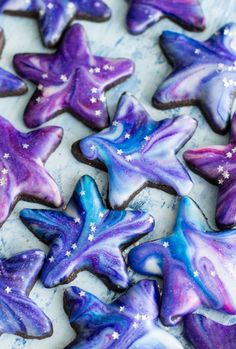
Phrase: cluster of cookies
[197,265]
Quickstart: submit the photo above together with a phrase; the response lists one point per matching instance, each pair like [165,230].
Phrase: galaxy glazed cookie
[55,15]
[204,333]
[204,74]
[10,85]
[217,165]
[127,323]
[72,79]
[87,236]
[144,13]
[19,315]
[197,265]
[138,151]
[22,172]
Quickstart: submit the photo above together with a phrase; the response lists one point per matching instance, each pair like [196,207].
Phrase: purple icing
[197,265]
[128,323]
[54,16]
[87,236]
[22,174]
[217,165]
[19,315]
[144,13]
[204,74]
[138,151]
[10,85]
[71,79]
[204,333]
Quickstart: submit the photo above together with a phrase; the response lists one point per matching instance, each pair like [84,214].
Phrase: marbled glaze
[87,236]
[197,265]
[22,172]
[204,74]
[10,85]
[19,315]
[138,151]
[127,323]
[54,16]
[205,333]
[144,13]
[217,164]
[71,79]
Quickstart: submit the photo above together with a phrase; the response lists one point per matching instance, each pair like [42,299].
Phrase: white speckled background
[108,39]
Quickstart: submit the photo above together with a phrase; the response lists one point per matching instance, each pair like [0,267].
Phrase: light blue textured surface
[108,39]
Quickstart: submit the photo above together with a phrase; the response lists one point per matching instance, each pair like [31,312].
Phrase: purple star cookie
[217,165]
[204,74]
[22,174]
[144,13]
[197,265]
[19,315]
[71,79]
[10,85]
[87,236]
[130,322]
[204,333]
[138,151]
[54,16]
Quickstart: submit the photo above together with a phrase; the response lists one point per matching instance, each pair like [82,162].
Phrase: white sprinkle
[91,237]
[6,156]
[119,151]
[115,123]
[82,193]
[135,325]
[165,244]
[3,182]
[68,254]
[4,171]
[147,138]
[8,290]
[213,273]
[82,294]
[93,100]
[94,90]
[226,174]
[195,273]
[197,51]
[220,181]
[115,335]
[122,309]
[103,98]
[40,87]
[51,259]
[101,215]
[77,220]
[93,147]
[63,78]
[45,76]
[74,246]
[50,6]
[127,136]
[25,146]
[98,112]
[97,70]
[220,169]
[128,158]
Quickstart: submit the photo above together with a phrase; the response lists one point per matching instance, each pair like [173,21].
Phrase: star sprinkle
[96,244]
[207,79]
[54,16]
[72,74]
[103,326]
[134,162]
[144,13]
[10,85]
[208,334]
[194,253]
[23,175]
[215,165]
[19,315]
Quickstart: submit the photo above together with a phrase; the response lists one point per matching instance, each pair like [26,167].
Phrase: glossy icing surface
[71,79]
[18,313]
[144,13]
[204,74]
[87,236]
[197,265]
[55,15]
[10,85]
[205,333]
[138,151]
[217,165]
[127,323]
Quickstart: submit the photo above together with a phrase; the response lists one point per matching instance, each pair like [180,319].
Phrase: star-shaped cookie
[197,265]
[144,13]
[19,315]
[72,80]
[87,236]
[204,74]
[130,322]
[22,172]
[204,333]
[138,151]
[217,165]
[10,85]
[54,16]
